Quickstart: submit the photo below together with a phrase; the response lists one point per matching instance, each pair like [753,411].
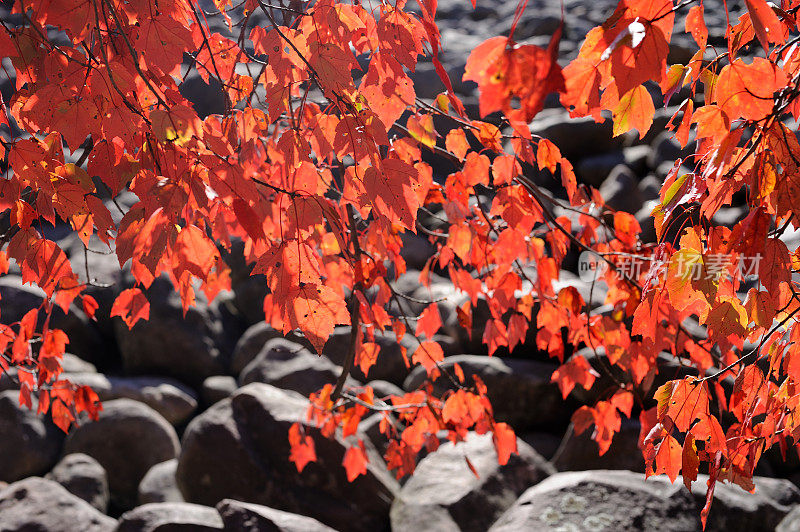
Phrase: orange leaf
[131,305]
[428,354]
[61,414]
[746,91]
[315,309]
[366,356]
[669,458]
[687,401]
[355,461]
[765,22]
[634,111]
[690,462]
[302,447]
[575,371]
[393,190]
[505,442]
[696,25]
[429,322]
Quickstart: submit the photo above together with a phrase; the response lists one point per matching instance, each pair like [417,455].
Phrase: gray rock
[623,500]
[636,158]
[650,187]
[416,250]
[207,98]
[389,366]
[729,216]
[647,222]
[128,439]
[666,149]
[30,443]
[575,137]
[385,389]
[579,452]
[621,190]
[74,364]
[170,517]
[443,494]
[253,340]
[107,278]
[159,484]
[598,500]
[790,523]
[371,427]
[169,397]
[544,443]
[217,388]
[241,516]
[84,477]
[736,509]
[250,344]
[520,390]
[238,449]
[290,366]
[186,348]
[16,299]
[36,504]
[595,169]
[248,290]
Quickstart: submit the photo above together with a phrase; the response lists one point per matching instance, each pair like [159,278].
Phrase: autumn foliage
[321,161]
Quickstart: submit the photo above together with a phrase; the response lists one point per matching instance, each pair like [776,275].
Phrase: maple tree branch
[385,407]
[755,350]
[355,315]
[133,53]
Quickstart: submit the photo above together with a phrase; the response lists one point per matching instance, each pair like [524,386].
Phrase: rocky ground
[193,434]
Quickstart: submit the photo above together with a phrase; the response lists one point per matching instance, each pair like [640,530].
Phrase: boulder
[649,187]
[623,500]
[790,523]
[253,340]
[636,158]
[169,343]
[107,279]
[244,517]
[74,364]
[159,484]
[520,390]
[84,477]
[170,517]
[128,439]
[16,299]
[579,452]
[443,493]
[238,449]
[175,401]
[290,366]
[595,169]
[576,138]
[30,444]
[621,190]
[385,388]
[736,509]
[416,250]
[666,149]
[37,504]
[217,388]
[544,443]
[389,366]
[250,344]
[248,290]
